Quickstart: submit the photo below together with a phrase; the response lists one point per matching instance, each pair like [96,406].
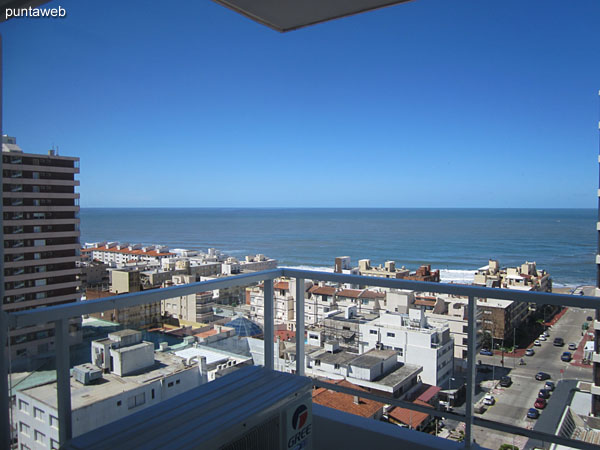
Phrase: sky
[430,103]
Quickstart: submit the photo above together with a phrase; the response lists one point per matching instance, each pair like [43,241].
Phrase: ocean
[456,241]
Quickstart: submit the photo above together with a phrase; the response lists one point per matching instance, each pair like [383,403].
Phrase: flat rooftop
[111,385]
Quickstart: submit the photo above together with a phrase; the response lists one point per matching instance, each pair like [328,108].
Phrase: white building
[98,398]
[115,253]
[417,342]
[284,292]
[125,376]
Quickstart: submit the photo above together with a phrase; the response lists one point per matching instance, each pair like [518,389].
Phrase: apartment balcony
[32,208]
[48,182]
[40,168]
[332,428]
[37,195]
[20,261]
[19,220]
[40,235]
[20,289]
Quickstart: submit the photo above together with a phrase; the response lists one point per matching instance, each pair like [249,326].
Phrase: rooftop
[409,417]
[110,385]
[345,402]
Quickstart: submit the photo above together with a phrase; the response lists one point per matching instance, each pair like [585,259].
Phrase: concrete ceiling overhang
[287,15]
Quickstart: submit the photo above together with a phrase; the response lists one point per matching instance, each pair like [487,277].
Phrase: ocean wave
[313,268]
[457,276]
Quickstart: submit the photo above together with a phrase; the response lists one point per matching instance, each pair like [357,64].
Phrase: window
[24,428]
[153,394]
[39,437]
[170,384]
[136,400]
[176,381]
[317,362]
[391,334]
[38,413]
[24,447]
[336,366]
[54,444]
[119,403]
[24,406]
[373,331]
[53,421]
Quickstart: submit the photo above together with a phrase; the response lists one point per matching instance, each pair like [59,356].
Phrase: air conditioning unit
[252,408]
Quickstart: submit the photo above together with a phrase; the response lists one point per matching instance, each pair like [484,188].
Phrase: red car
[540,403]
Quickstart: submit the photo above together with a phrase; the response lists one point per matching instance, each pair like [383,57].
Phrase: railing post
[471,355]
[269,325]
[300,326]
[63,380]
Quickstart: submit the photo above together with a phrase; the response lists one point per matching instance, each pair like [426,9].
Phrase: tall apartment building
[41,240]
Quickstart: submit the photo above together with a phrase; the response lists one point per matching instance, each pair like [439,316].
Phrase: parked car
[486,352]
[546,333]
[549,385]
[544,393]
[537,343]
[542,337]
[589,318]
[559,342]
[572,346]
[533,413]
[540,403]
[505,381]
[566,357]
[529,352]
[541,376]
[489,400]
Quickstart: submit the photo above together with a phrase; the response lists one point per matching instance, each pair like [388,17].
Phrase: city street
[513,402]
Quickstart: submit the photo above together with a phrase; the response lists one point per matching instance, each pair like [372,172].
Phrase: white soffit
[287,15]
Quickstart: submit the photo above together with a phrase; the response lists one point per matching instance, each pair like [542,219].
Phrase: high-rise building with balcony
[41,240]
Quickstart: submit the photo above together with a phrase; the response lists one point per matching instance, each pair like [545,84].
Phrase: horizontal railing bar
[543,298]
[35,316]
[40,315]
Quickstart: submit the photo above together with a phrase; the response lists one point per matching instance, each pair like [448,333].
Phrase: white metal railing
[61,314]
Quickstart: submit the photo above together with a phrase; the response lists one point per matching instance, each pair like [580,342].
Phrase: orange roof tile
[409,417]
[345,402]
[371,294]
[352,293]
[322,290]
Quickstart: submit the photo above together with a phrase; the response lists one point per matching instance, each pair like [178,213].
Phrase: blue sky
[431,103]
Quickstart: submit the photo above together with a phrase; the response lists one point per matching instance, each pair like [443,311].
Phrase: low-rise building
[525,277]
[125,376]
[283,301]
[356,405]
[364,299]
[389,270]
[320,300]
[114,253]
[420,342]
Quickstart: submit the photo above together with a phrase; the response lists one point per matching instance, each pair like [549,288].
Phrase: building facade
[41,241]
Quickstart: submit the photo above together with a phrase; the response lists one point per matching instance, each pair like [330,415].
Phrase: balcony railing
[61,314]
